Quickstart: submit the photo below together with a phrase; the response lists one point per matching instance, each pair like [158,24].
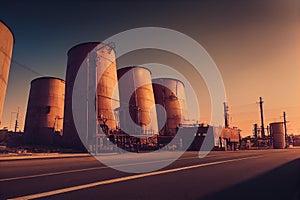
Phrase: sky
[254,43]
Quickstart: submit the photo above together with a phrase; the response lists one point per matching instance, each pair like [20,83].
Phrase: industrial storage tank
[277,133]
[6,46]
[170,94]
[91,54]
[45,110]
[137,101]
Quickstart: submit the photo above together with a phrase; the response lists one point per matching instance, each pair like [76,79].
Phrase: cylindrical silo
[45,110]
[137,98]
[88,55]
[6,46]
[277,133]
[170,94]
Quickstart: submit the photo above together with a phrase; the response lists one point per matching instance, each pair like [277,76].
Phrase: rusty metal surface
[171,95]
[107,83]
[77,55]
[277,133]
[6,46]
[136,93]
[45,110]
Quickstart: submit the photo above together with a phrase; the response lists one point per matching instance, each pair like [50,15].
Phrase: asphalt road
[253,174]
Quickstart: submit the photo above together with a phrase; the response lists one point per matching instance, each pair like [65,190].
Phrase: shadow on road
[282,183]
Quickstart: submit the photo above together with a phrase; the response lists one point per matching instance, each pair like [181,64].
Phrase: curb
[16,158]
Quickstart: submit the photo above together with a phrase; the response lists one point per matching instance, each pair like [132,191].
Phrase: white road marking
[89,169]
[126,178]
[50,174]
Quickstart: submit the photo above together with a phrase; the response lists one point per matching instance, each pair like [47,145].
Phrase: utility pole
[262,117]
[226,115]
[285,131]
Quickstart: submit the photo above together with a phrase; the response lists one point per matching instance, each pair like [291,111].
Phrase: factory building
[45,111]
[125,106]
[6,46]
[223,138]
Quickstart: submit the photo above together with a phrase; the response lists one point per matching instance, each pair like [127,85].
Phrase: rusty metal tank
[277,133]
[45,110]
[136,94]
[6,46]
[170,94]
[99,55]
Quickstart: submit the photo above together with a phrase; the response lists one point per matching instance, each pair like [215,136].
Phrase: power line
[27,68]
[19,64]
